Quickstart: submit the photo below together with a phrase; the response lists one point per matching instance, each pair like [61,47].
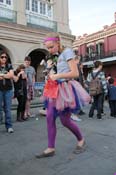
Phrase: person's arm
[9,75]
[104,83]
[89,77]
[33,78]
[15,78]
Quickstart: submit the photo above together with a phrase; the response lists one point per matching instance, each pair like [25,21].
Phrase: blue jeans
[5,104]
[1,115]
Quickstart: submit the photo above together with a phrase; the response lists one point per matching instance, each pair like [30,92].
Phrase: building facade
[98,46]
[24,24]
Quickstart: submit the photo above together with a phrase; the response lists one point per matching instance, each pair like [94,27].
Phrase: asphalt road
[18,150]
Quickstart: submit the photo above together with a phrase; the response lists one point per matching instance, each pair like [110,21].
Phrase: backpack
[95,86]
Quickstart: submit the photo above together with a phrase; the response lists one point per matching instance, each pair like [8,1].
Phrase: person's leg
[1,106]
[27,108]
[110,106]
[72,126]
[7,108]
[99,105]
[92,108]
[68,123]
[81,112]
[1,116]
[19,108]
[23,107]
[28,111]
[114,108]
[102,108]
[51,127]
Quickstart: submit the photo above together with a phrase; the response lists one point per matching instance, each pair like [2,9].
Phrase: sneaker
[80,149]
[10,130]
[75,118]
[42,112]
[81,112]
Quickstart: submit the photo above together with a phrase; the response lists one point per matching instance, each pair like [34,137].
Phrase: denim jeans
[5,104]
[112,104]
[1,116]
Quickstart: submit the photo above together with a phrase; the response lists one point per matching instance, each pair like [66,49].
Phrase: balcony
[7,15]
[39,22]
[106,57]
[95,56]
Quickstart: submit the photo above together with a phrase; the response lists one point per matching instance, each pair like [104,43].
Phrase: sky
[89,16]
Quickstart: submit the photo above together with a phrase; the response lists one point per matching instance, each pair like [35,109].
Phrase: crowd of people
[65,93]
[18,84]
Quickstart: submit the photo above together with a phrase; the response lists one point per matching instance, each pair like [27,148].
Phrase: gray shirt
[30,72]
[64,57]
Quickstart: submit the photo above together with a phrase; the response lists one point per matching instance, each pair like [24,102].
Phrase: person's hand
[1,77]
[22,72]
[53,76]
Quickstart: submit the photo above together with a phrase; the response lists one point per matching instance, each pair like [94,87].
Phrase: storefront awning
[91,63]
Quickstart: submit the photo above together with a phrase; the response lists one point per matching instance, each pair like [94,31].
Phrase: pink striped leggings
[66,121]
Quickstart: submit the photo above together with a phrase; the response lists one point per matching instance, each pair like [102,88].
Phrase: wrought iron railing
[7,15]
[98,56]
[40,22]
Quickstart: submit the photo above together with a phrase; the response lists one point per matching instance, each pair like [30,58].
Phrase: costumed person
[63,95]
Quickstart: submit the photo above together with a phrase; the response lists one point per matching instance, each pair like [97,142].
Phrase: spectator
[98,99]
[30,72]
[112,97]
[6,92]
[20,86]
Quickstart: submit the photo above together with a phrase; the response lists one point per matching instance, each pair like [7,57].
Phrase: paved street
[18,150]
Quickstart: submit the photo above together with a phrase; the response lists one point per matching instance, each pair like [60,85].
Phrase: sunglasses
[3,57]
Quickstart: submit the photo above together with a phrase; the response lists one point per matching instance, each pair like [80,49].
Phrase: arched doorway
[36,57]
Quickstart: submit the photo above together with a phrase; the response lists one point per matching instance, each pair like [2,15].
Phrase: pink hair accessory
[51,39]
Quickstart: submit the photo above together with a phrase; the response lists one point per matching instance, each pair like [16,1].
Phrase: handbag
[51,89]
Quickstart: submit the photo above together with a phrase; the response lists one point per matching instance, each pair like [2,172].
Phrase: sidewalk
[18,150]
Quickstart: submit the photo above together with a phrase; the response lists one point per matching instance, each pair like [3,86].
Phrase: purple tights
[66,121]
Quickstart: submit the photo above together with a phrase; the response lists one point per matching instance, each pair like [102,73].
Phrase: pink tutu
[71,96]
